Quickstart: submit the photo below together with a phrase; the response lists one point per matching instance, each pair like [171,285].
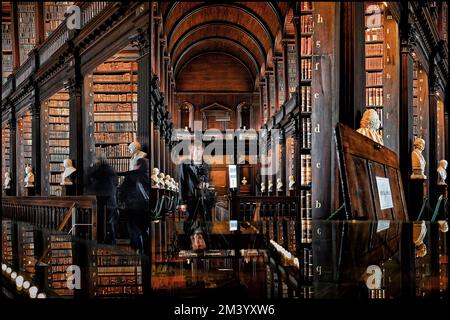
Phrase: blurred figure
[103,183]
[134,198]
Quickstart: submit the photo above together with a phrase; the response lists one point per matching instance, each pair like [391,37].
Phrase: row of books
[60,258]
[115,78]
[113,107]
[120,150]
[57,120]
[124,97]
[306,23]
[306,204]
[117,260]
[56,167]
[115,87]
[306,69]
[374,78]
[116,66]
[6,36]
[57,127]
[306,137]
[376,34]
[306,5]
[59,135]
[55,177]
[292,67]
[113,117]
[7,254]
[306,231]
[58,111]
[28,258]
[113,137]
[374,96]
[307,264]
[305,165]
[373,49]
[58,157]
[374,63]
[306,45]
[305,98]
[114,127]
[59,142]
[119,165]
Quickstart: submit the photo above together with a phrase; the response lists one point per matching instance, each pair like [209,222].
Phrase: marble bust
[29,178]
[270,186]
[161,183]
[417,160]
[279,185]
[291,183]
[154,179]
[167,182]
[244,181]
[263,187]
[442,173]
[136,154]
[7,184]
[370,123]
[68,170]
[173,185]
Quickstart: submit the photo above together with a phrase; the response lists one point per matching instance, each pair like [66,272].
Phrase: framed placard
[384,193]
[232,173]
[370,175]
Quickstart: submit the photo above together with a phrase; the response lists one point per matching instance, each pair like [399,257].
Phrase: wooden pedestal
[418,192]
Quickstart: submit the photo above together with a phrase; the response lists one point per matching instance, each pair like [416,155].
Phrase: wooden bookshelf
[24,150]
[54,14]
[7,234]
[27,255]
[6,152]
[7,56]
[113,101]
[382,69]
[56,140]
[27,32]
[59,257]
[117,273]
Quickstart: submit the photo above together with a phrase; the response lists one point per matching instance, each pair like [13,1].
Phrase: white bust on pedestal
[442,173]
[136,154]
[279,185]
[370,123]
[7,184]
[161,183]
[244,181]
[154,178]
[68,170]
[291,183]
[29,177]
[263,187]
[417,160]
[167,182]
[270,186]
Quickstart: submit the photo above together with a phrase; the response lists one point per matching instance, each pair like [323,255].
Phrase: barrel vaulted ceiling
[247,31]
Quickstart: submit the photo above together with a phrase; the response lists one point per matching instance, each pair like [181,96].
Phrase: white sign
[384,193]
[233,225]
[382,225]
[232,171]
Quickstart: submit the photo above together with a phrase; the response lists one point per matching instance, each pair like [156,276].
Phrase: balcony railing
[26,69]
[89,10]
[7,88]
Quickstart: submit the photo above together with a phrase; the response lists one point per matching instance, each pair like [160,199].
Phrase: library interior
[267,149]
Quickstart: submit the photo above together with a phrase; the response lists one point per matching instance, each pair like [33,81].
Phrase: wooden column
[285,69]
[277,81]
[261,103]
[36,138]
[156,47]
[13,150]
[76,127]
[406,100]
[162,66]
[143,110]
[39,22]
[298,50]
[352,69]
[268,94]
[283,161]
[15,35]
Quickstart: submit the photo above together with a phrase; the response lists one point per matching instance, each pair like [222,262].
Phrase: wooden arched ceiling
[217,44]
[246,30]
[219,29]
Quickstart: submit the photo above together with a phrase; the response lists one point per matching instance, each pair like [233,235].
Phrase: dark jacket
[103,182]
[190,176]
[130,194]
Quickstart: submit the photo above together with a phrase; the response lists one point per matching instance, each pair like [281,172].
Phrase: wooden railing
[55,41]
[7,88]
[26,69]
[89,10]
[249,208]
[77,215]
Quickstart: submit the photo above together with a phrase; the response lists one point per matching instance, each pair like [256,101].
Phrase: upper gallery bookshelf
[54,14]
[56,140]
[24,150]
[6,146]
[113,103]
[382,69]
[27,31]
[7,57]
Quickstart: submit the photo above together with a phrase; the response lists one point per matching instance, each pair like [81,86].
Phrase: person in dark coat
[103,182]
[134,195]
